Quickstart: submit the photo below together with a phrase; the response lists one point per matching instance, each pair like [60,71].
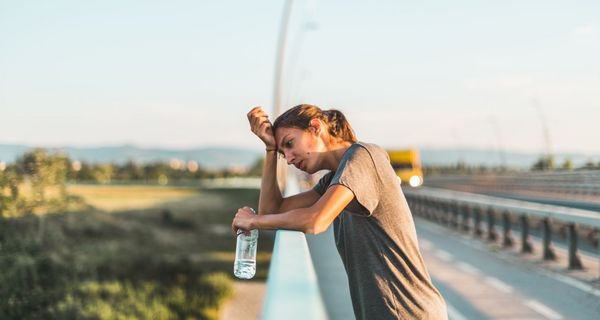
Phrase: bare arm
[270,198]
[314,219]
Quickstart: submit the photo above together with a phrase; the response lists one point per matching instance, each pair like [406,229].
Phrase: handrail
[464,211]
[292,286]
[554,183]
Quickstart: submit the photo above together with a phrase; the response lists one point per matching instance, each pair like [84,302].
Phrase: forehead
[286,133]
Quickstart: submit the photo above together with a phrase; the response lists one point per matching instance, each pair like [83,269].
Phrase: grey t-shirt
[376,239]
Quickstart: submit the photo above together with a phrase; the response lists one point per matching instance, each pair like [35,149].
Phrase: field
[137,252]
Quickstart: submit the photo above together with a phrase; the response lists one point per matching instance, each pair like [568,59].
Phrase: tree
[567,165]
[42,170]
[9,190]
[544,163]
[257,168]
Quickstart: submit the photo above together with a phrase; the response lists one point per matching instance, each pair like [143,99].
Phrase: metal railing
[466,211]
[292,286]
[585,183]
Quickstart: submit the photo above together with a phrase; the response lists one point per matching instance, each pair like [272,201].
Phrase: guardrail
[586,183]
[464,211]
[292,286]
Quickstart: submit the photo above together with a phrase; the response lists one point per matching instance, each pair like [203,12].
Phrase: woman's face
[300,147]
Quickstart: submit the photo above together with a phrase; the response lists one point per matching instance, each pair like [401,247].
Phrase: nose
[288,157]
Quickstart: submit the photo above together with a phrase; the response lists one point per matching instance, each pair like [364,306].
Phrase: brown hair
[300,116]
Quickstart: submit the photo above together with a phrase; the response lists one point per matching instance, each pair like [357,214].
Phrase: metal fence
[467,212]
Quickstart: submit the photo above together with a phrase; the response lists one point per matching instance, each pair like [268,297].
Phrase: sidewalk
[246,303]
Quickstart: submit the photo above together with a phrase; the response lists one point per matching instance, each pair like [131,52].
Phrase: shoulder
[371,147]
[360,158]
[368,152]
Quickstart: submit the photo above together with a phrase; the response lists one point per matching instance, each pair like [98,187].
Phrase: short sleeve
[323,183]
[358,173]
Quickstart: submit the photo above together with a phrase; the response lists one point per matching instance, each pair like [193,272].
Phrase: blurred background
[125,149]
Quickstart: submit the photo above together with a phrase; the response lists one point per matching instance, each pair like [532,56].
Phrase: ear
[314,125]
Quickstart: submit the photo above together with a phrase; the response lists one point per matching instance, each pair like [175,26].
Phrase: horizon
[260,150]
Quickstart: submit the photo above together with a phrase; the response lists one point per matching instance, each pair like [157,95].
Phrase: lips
[299,165]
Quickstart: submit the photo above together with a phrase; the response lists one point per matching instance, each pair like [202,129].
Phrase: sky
[183,74]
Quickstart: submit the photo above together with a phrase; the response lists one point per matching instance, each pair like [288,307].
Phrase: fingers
[257,112]
[237,225]
[234,227]
[255,122]
[259,122]
[265,126]
[261,126]
[254,110]
[249,209]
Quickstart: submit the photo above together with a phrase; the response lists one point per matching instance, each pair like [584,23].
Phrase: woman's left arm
[314,219]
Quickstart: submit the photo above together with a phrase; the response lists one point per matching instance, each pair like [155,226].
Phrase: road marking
[443,255]
[572,282]
[543,309]
[468,268]
[498,284]
[453,314]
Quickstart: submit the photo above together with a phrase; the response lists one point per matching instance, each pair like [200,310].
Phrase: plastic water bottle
[244,266]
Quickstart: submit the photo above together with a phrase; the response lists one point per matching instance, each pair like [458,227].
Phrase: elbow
[316,226]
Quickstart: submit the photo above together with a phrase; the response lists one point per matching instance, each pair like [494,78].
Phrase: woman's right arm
[270,198]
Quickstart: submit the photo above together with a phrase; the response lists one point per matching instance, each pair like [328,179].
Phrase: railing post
[593,237]
[428,208]
[465,218]
[491,215]
[455,213]
[574,261]
[478,231]
[526,246]
[427,203]
[507,236]
[547,240]
[448,213]
[438,212]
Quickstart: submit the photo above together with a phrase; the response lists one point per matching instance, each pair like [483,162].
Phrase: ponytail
[339,126]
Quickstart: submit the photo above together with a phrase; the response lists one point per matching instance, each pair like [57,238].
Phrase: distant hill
[210,157]
[226,157]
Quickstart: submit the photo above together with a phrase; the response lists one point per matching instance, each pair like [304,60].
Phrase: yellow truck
[407,164]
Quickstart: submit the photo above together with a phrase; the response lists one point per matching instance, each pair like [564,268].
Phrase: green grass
[170,255]
[120,198]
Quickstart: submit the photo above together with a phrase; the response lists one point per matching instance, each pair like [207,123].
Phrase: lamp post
[547,162]
[280,56]
[277,89]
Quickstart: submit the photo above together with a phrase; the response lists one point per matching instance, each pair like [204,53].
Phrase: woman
[373,227]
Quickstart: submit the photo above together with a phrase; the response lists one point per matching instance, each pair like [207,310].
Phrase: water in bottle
[245,255]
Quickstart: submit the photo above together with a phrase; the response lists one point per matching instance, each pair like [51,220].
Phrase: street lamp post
[277,90]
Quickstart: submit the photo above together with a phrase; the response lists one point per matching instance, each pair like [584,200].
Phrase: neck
[334,155]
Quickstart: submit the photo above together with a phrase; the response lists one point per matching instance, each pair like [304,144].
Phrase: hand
[262,127]
[243,220]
